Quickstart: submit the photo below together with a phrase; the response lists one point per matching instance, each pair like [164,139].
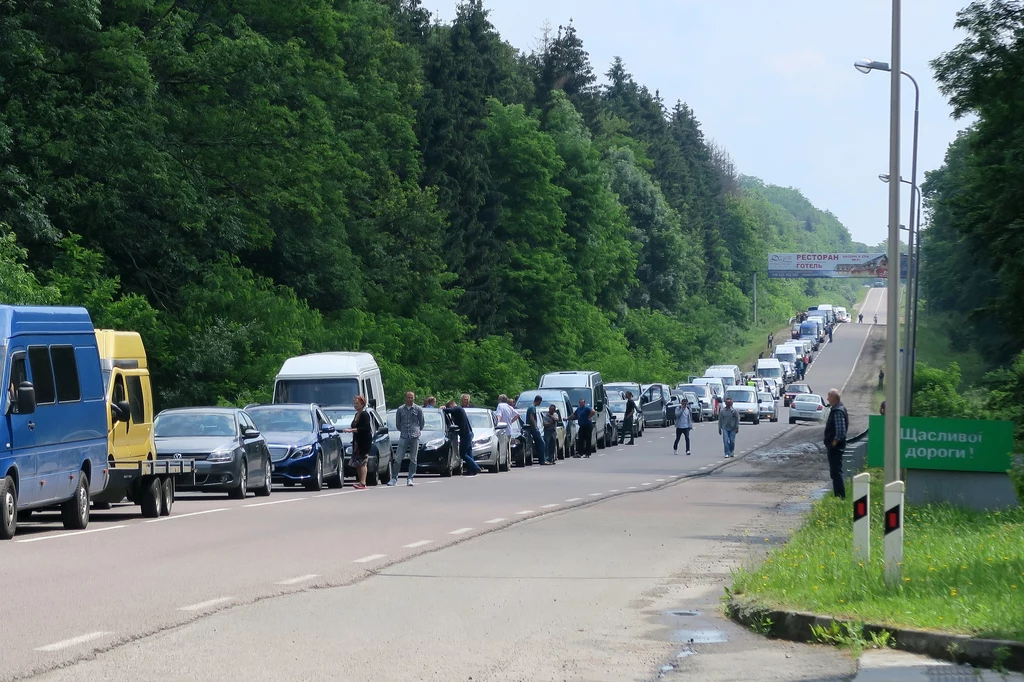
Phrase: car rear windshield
[740,396]
[798,388]
[191,424]
[278,419]
[807,398]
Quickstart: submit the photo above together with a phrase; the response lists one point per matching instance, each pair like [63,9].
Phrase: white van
[769,368]
[829,312]
[589,386]
[729,374]
[329,379]
[785,353]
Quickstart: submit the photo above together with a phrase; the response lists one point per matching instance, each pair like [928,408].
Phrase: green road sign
[945,444]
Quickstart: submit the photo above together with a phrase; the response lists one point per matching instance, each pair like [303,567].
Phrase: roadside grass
[755,341]
[963,571]
[876,400]
[934,347]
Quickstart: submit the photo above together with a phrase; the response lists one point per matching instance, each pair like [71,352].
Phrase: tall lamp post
[867,66]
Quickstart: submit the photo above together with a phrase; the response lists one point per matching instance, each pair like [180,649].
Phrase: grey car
[229,452]
[378,467]
[491,445]
[768,407]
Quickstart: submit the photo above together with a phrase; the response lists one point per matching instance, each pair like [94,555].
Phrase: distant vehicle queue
[81,433]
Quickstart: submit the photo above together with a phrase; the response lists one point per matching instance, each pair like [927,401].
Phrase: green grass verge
[963,571]
[933,347]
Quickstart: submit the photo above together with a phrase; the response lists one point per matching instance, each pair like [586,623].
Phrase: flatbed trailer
[148,483]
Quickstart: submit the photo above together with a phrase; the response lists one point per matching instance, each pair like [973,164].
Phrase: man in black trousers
[835,441]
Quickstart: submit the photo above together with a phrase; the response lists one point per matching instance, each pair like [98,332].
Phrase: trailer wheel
[74,513]
[8,508]
[152,498]
[168,494]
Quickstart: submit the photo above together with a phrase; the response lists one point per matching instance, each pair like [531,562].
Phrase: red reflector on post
[892,520]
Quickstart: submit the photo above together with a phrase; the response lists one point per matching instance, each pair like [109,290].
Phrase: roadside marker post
[862,517]
[893,528]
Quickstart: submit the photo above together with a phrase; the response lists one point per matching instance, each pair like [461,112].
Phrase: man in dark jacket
[835,441]
[460,419]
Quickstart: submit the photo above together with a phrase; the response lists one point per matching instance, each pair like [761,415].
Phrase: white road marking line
[663,437]
[674,476]
[418,543]
[74,641]
[497,520]
[368,559]
[659,480]
[620,449]
[705,466]
[73,533]
[524,512]
[185,516]
[548,506]
[602,454]
[632,487]
[574,499]
[594,494]
[645,484]
[298,579]
[343,492]
[205,604]
[460,531]
[265,504]
[856,360]
[434,481]
[614,490]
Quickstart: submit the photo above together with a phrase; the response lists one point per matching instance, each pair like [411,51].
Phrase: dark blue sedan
[303,443]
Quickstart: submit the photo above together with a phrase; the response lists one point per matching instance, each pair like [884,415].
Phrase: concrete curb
[796,626]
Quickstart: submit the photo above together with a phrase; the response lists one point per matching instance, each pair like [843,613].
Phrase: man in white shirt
[506,413]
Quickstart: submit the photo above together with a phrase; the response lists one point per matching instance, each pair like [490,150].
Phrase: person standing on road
[800,368]
[881,378]
[409,420]
[627,420]
[771,337]
[584,416]
[729,427]
[684,422]
[508,414]
[830,333]
[550,419]
[533,426]
[362,440]
[835,441]
[860,319]
[461,420]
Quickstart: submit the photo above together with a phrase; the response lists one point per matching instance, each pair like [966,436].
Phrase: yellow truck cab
[129,396]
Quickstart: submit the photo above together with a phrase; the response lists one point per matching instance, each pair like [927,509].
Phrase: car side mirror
[250,433]
[26,398]
[382,430]
[502,425]
[121,411]
[328,428]
[373,403]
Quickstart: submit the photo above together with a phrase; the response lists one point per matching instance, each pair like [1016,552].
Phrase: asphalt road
[75,596]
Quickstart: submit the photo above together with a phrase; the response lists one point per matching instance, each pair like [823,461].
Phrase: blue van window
[65,371]
[42,374]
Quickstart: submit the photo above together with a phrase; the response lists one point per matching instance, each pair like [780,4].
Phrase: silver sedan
[807,407]
[768,407]
[491,448]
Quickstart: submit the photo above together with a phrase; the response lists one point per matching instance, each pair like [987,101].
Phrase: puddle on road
[684,613]
[699,636]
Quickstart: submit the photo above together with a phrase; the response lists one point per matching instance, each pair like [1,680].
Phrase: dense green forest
[972,272]
[248,180]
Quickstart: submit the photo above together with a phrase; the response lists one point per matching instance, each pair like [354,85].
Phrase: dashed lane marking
[594,494]
[185,516]
[524,512]
[267,504]
[574,499]
[632,487]
[418,543]
[460,531]
[645,484]
[548,506]
[73,533]
[497,520]
[205,604]
[343,492]
[614,490]
[368,559]
[298,579]
[73,641]
[659,480]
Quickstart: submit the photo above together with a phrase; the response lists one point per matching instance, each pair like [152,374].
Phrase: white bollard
[893,524]
[862,517]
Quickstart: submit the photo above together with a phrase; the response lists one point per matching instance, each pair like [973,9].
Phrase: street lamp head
[884,177]
[869,65]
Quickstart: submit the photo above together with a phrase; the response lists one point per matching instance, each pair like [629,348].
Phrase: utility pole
[892,335]
[755,298]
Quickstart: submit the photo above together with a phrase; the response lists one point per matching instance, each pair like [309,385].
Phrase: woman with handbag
[361,441]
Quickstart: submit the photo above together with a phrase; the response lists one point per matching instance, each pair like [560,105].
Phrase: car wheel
[242,489]
[338,480]
[373,473]
[757,421]
[450,466]
[316,484]
[74,513]
[267,487]
[168,493]
[8,509]
[792,421]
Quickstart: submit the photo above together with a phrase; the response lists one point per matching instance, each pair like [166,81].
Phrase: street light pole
[892,393]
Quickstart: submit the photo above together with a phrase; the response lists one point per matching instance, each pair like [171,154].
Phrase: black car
[228,449]
[303,443]
[439,448]
[378,467]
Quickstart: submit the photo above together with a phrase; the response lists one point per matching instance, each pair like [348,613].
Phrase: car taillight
[820,408]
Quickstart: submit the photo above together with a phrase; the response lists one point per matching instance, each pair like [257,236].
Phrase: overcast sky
[773,82]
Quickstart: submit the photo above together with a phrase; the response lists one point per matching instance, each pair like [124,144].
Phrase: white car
[745,402]
[491,445]
[807,407]
[774,386]
[769,406]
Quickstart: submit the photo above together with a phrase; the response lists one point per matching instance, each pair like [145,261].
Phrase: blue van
[53,437]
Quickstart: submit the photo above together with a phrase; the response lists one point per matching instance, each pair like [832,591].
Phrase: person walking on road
[550,420]
[830,333]
[533,426]
[860,319]
[771,337]
[729,427]
[409,420]
[835,441]
[684,422]
[362,438]
[461,420]
[627,420]
[584,416]
[881,379]
[801,367]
